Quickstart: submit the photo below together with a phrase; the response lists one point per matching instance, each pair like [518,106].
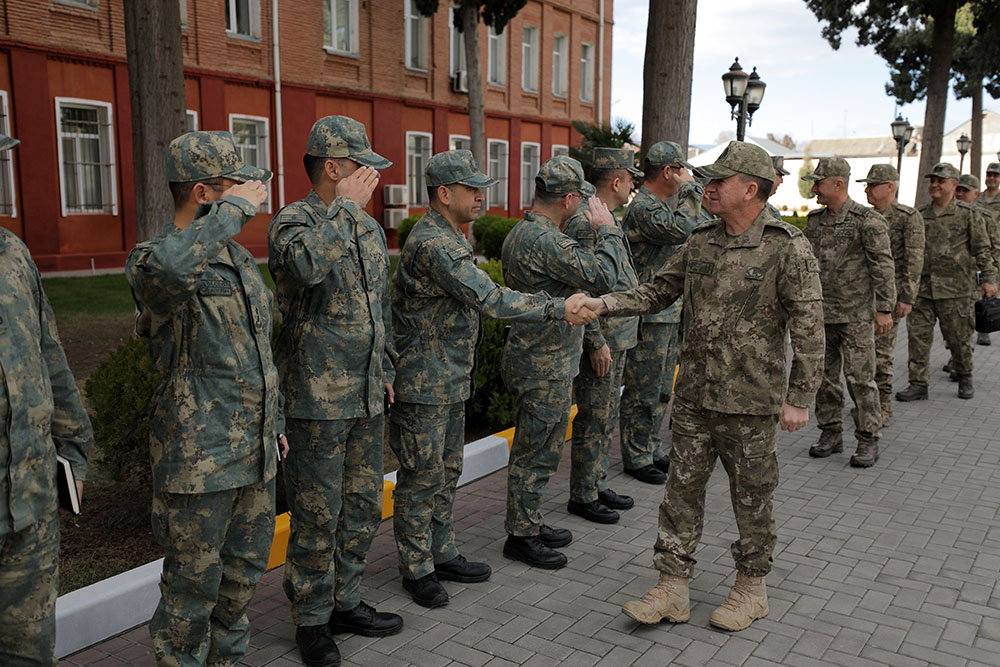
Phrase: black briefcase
[988,315]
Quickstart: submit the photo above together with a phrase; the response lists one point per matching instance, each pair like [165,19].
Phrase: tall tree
[156,93]
[667,71]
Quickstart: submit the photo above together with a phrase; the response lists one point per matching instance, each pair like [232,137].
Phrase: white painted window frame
[529,52]
[417,183]
[456,45]
[111,168]
[453,137]
[253,6]
[528,179]
[497,43]
[560,83]
[503,177]
[555,146]
[586,73]
[422,22]
[7,157]
[191,114]
[352,31]
[264,146]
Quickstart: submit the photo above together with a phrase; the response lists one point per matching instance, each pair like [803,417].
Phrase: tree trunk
[942,45]
[976,152]
[667,71]
[469,18]
[156,93]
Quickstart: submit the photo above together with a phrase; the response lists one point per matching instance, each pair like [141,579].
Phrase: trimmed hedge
[405,227]
[490,408]
[493,234]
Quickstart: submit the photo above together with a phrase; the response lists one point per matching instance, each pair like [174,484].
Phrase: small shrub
[493,236]
[405,227]
[490,409]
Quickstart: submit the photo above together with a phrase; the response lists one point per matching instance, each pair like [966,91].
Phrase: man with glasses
[906,240]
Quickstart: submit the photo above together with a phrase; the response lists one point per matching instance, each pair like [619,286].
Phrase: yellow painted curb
[279,545]
[387,489]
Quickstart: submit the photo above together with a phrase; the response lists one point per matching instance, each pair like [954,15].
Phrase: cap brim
[870,180]
[813,177]
[248,172]
[588,189]
[713,171]
[635,172]
[6,143]
[480,180]
[371,159]
[686,165]
[783,172]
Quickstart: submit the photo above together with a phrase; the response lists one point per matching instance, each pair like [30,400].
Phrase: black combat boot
[554,537]
[426,591]
[830,442]
[866,455]
[534,552]
[965,389]
[915,392]
[316,646]
[595,511]
[461,570]
[364,620]
[663,464]
[614,500]
[649,474]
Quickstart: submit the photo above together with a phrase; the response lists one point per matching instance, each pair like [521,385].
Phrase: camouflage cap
[6,143]
[993,168]
[343,137]
[199,156]
[452,167]
[663,153]
[778,162]
[880,173]
[944,170]
[615,158]
[829,167]
[969,182]
[739,157]
[562,175]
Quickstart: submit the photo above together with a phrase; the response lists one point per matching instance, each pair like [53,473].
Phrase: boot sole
[857,464]
[820,454]
[665,617]
[907,399]
[715,623]
[556,565]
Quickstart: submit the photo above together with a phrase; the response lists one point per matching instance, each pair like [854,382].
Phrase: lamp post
[964,144]
[901,132]
[744,91]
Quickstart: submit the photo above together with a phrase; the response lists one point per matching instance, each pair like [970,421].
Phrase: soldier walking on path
[438,296]
[335,357]
[655,232]
[596,390]
[906,238]
[42,417]
[968,191]
[956,246]
[541,360]
[216,416]
[852,245]
[753,280]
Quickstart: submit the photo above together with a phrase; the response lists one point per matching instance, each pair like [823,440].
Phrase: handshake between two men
[583,309]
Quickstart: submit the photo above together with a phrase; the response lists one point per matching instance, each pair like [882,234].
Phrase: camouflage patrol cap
[6,143]
[663,153]
[739,157]
[615,158]
[562,175]
[880,173]
[993,168]
[778,162]
[457,166]
[343,137]
[969,182]
[944,170]
[829,167]
[199,156]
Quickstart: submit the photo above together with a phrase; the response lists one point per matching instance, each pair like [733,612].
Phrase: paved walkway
[896,565]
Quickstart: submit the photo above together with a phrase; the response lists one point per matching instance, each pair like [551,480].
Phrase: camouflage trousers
[885,355]
[541,415]
[333,481]
[746,444]
[957,325]
[29,581]
[850,347]
[596,401]
[649,381]
[216,546]
[429,441]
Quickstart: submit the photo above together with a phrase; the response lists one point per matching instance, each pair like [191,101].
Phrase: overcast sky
[812,91]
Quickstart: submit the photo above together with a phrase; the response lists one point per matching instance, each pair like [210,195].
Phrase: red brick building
[68,189]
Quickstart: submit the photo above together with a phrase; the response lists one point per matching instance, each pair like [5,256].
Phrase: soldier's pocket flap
[756,449]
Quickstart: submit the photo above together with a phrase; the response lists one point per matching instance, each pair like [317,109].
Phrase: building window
[530,152]
[191,121]
[559,62]
[459,142]
[559,149]
[586,72]
[250,137]
[7,204]
[243,18]
[529,59]
[416,37]
[340,24]
[89,4]
[418,152]
[184,13]
[86,157]
[497,58]
[496,167]
[457,45]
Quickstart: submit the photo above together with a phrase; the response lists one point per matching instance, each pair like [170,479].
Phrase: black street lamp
[901,132]
[743,91]
[964,144]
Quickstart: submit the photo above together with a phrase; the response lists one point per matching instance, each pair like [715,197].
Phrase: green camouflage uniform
[41,409]
[655,233]
[216,413]
[858,278]
[992,202]
[334,354]
[746,294]
[438,296]
[541,360]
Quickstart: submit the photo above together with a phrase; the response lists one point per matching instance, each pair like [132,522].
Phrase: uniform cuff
[799,398]
[248,209]
[884,306]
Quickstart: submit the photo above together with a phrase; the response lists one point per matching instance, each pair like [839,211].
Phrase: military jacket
[438,295]
[855,261]
[773,211]
[741,295]
[992,203]
[620,333]
[655,233]
[956,245]
[206,312]
[331,269]
[906,236]
[537,257]
[991,218]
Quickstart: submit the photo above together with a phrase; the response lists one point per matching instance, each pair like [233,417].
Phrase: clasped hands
[582,309]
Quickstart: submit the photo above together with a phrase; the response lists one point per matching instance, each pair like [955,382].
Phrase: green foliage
[494,13]
[797,220]
[493,234]
[490,409]
[805,187]
[593,135]
[405,227]
[119,394]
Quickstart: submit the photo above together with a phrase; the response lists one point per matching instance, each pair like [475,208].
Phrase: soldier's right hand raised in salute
[254,192]
[598,215]
[359,186]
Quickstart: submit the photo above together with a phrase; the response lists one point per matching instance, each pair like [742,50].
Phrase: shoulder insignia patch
[812,265]
[566,242]
[754,273]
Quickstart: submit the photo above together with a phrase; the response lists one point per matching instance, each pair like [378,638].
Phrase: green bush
[491,240]
[404,229]
[490,409]
[119,394]
[797,220]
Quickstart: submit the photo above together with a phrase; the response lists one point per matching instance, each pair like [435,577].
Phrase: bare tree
[667,72]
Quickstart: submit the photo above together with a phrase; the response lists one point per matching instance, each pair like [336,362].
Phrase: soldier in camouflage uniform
[906,238]
[859,295]
[42,416]
[216,415]
[438,296]
[335,357]
[596,389]
[956,245]
[655,232]
[753,280]
[541,360]
[990,198]
[968,191]
[778,162]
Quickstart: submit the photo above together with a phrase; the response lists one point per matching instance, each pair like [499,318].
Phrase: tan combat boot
[746,603]
[668,599]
